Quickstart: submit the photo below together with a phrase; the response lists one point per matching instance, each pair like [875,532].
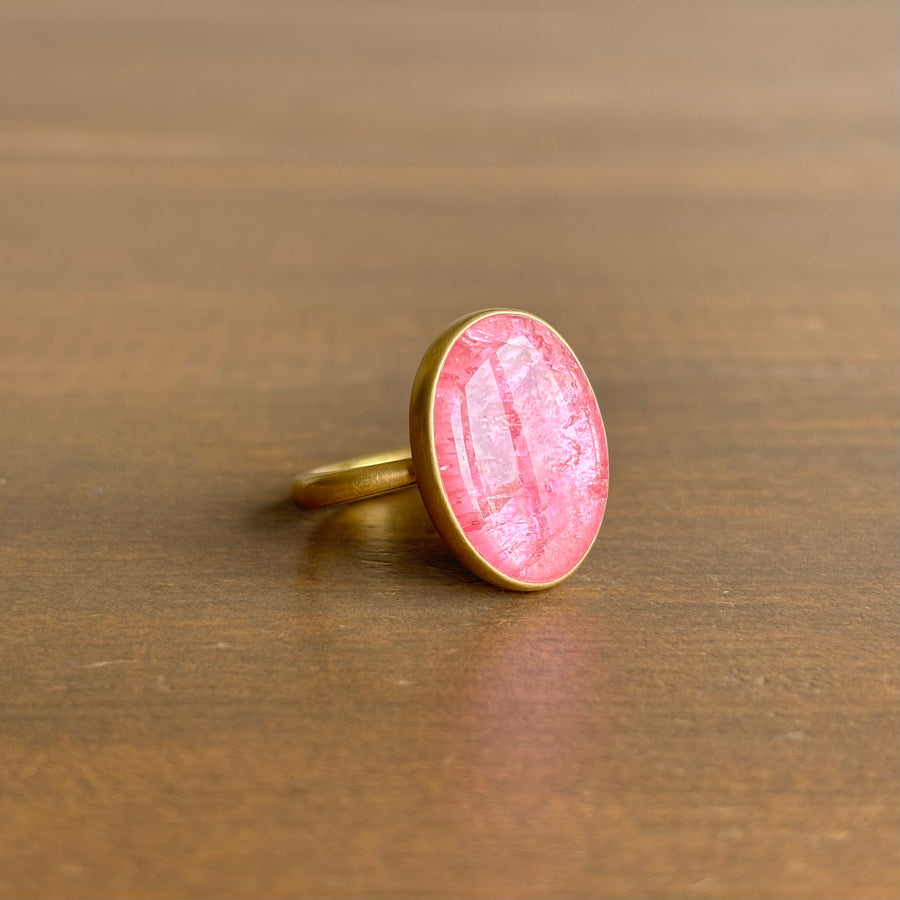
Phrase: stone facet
[520,447]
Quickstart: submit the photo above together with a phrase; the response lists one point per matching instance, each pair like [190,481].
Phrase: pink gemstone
[520,447]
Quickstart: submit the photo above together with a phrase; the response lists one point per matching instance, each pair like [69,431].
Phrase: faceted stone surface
[521,447]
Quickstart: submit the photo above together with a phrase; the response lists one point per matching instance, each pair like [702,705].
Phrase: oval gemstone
[520,447]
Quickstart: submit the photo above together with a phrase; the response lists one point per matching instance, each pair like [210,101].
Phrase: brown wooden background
[227,233]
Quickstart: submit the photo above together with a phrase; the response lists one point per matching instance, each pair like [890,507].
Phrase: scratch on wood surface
[704,884]
[105,662]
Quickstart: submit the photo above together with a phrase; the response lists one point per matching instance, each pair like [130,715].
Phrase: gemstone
[520,447]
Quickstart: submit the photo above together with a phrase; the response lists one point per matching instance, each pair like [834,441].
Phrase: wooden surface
[228,231]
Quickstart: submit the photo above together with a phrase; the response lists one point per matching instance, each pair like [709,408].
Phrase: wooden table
[228,231]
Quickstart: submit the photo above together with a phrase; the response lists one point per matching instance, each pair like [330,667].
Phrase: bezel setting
[425,457]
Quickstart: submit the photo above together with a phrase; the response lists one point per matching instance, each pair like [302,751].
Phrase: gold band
[354,479]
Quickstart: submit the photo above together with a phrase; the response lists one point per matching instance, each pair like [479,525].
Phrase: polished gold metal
[354,479]
[370,476]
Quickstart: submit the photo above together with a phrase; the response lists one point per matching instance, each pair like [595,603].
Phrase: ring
[507,445]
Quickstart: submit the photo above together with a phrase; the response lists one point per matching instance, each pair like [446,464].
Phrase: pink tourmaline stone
[520,447]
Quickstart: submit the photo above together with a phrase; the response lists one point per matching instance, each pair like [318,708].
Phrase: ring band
[354,479]
[507,446]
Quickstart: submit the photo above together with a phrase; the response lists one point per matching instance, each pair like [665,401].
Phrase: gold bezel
[421,438]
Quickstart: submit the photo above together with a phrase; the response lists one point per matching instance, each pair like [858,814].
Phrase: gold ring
[354,479]
[508,448]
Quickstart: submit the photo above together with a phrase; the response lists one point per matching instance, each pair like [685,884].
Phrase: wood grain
[227,233]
